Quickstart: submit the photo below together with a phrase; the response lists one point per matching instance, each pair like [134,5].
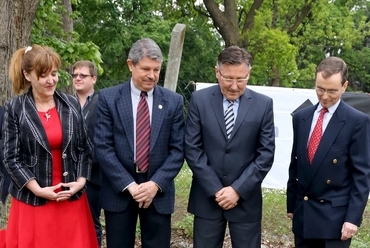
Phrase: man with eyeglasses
[328,185]
[229,146]
[84,78]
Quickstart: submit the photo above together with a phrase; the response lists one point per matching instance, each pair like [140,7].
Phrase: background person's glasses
[82,76]
[232,80]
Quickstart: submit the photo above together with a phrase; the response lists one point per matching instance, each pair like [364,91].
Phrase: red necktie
[315,136]
[142,133]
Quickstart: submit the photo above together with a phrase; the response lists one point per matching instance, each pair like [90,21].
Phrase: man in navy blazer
[127,191]
[326,198]
[228,171]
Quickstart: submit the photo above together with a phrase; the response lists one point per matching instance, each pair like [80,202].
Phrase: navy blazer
[241,161]
[334,189]
[114,145]
[27,153]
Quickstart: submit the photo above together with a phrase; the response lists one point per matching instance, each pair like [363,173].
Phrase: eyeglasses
[330,92]
[230,81]
[82,76]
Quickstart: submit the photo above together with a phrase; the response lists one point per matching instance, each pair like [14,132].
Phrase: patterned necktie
[142,133]
[229,118]
[315,136]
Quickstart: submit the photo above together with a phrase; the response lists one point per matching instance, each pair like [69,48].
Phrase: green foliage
[115,25]
[186,224]
[47,30]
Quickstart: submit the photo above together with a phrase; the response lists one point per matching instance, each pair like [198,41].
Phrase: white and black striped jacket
[27,153]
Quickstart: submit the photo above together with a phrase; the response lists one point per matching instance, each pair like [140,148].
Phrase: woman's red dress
[66,224]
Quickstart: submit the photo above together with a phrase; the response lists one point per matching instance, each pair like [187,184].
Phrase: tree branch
[249,21]
[306,9]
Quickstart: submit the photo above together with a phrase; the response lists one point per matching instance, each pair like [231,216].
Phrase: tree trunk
[67,26]
[275,79]
[16,19]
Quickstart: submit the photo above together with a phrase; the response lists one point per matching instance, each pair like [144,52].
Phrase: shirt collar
[331,109]
[136,92]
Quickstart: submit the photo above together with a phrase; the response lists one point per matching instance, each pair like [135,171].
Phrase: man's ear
[130,64]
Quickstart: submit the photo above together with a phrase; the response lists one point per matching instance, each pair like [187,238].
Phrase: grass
[276,227]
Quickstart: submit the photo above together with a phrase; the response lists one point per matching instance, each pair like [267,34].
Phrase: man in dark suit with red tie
[139,137]
[328,185]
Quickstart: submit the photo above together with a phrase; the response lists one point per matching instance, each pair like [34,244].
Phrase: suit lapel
[245,102]
[160,108]
[217,106]
[34,122]
[124,111]
[331,132]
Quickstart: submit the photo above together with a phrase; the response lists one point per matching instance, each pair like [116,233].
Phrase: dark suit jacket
[114,145]
[89,112]
[241,162]
[27,152]
[4,177]
[334,188]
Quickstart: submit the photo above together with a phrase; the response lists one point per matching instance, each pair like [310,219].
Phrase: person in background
[229,146]
[328,185]
[84,78]
[139,138]
[48,156]
[5,181]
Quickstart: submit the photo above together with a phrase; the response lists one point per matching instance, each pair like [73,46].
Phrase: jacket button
[225,175]
[328,182]
[335,161]
[64,155]
[321,201]
[305,198]
[296,179]
[65,174]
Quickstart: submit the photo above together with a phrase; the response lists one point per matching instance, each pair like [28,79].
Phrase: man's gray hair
[143,48]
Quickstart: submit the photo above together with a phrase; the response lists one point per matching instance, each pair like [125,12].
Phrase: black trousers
[301,242]
[93,192]
[121,226]
[210,233]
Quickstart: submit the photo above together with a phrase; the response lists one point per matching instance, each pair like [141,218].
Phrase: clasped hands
[50,194]
[227,198]
[143,193]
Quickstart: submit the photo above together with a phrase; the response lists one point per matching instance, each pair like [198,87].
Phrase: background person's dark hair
[333,65]
[234,55]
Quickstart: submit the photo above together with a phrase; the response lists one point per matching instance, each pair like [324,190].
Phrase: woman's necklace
[47,114]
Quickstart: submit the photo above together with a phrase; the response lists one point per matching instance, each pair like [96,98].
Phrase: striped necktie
[142,133]
[229,118]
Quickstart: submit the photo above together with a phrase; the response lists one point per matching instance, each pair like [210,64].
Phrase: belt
[137,170]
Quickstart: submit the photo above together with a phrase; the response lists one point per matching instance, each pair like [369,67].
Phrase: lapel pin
[160,106]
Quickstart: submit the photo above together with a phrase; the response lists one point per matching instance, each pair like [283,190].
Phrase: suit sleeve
[292,185]
[104,147]
[195,154]
[265,149]
[13,161]
[360,160]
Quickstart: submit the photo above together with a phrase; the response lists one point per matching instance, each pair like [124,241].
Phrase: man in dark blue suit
[128,188]
[328,186]
[229,146]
